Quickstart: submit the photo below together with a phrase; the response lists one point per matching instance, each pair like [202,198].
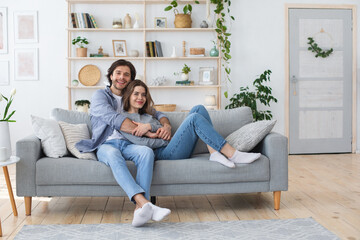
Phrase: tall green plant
[262,93]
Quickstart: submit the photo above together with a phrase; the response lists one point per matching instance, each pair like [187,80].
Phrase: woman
[138,105]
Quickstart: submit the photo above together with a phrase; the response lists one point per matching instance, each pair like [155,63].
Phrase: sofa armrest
[29,150]
[275,147]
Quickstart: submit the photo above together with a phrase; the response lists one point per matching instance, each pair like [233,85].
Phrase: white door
[320,88]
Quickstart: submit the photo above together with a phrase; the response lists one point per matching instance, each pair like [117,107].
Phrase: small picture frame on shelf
[119,48]
[160,22]
[26,27]
[206,76]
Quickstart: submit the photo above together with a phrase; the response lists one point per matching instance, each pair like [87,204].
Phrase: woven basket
[89,75]
[165,107]
[182,20]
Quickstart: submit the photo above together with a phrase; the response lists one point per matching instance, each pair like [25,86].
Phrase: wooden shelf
[142,58]
[130,2]
[141,30]
[159,87]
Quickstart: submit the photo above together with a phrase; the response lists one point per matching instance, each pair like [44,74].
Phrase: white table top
[11,160]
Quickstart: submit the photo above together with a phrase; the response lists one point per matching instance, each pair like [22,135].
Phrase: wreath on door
[314,47]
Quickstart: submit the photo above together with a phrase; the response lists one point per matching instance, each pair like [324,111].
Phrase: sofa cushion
[72,117]
[248,136]
[197,169]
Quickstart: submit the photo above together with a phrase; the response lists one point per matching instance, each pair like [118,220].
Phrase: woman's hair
[121,62]
[129,89]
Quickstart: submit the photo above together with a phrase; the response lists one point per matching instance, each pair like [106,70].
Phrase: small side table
[4,164]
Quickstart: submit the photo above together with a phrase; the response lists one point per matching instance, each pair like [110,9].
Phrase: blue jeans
[196,125]
[114,152]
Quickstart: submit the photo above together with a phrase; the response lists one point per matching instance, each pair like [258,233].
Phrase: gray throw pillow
[247,137]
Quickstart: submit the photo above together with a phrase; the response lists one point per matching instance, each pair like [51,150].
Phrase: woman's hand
[151,135]
[141,129]
[164,132]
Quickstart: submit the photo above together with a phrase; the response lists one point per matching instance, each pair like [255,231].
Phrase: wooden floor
[324,187]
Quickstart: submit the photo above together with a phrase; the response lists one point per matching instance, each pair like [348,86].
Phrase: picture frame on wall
[4,72]
[3,31]
[160,22]
[26,27]
[119,48]
[26,64]
[206,76]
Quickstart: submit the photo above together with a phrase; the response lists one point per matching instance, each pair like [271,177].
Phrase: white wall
[257,44]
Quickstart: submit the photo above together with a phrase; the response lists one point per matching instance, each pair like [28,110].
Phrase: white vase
[184,76]
[5,137]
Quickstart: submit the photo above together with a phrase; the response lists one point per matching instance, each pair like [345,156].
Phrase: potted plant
[4,125]
[182,20]
[82,105]
[185,72]
[81,51]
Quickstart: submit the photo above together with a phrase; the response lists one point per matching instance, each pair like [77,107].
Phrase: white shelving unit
[142,59]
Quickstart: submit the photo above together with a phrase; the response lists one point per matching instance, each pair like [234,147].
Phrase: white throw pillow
[247,137]
[52,139]
[73,133]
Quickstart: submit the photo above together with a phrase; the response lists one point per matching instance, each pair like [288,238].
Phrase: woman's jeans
[114,152]
[196,125]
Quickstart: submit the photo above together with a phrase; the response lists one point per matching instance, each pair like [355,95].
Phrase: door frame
[287,63]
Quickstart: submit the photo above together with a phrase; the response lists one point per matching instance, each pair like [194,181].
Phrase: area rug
[301,228]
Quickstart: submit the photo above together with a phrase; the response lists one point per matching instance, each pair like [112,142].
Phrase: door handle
[294,81]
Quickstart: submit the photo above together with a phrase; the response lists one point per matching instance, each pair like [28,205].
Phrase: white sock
[218,157]
[243,157]
[159,213]
[142,215]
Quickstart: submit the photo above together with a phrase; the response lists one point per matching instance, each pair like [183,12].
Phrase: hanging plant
[316,49]
[223,8]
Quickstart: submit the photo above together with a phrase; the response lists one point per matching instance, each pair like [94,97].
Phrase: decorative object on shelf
[82,105]
[184,49]
[5,142]
[75,82]
[204,24]
[197,52]
[165,107]
[26,27]
[3,30]
[89,75]
[317,50]
[160,22]
[81,51]
[184,83]
[119,48]
[136,24]
[133,53]
[261,94]
[158,81]
[117,23]
[206,76]
[182,20]
[127,21]
[185,72]
[173,55]
[100,53]
[210,102]
[26,64]
[214,52]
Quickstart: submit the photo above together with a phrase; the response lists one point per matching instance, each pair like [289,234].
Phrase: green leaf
[226,94]
[197,2]
[7,119]
[168,8]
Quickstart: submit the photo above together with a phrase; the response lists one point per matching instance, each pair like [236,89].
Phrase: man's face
[120,77]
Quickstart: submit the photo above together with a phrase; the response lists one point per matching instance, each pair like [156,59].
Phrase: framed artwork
[206,76]
[3,30]
[4,72]
[26,64]
[160,22]
[119,48]
[26,27]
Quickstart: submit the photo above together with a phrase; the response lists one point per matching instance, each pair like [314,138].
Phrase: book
[154,49]
[183,83]
[73,22]
[196,55]
[158,49]
[151,49]
[93,21]
[76,20]
[99,55]
[79,18]
[83,15]
[147,49]
[88,20]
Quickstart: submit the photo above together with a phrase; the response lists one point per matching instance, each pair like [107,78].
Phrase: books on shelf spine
[147,49]
[151,49]
[73,22]
[158,49]
[83,16]
[88,20]
[93,21]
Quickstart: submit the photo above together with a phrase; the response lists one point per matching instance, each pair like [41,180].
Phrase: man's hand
[141,129]
[151,135]
[164,132]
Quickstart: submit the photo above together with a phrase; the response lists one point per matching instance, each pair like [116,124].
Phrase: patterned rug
[301,228]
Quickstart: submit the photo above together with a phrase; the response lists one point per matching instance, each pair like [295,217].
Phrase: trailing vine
[223,7]
[316,49]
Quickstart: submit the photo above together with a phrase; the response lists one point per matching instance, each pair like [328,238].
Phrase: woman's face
[138,97]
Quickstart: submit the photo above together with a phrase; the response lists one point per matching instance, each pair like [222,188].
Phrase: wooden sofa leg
[277,195]
[27,206]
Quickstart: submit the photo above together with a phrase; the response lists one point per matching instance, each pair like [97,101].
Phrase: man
[106,120]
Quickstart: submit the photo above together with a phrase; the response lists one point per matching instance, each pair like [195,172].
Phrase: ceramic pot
[184,76]
[5,140]
[83,108]
[81,52]
[127,21]
[75,82]
[133,53]
[214,52]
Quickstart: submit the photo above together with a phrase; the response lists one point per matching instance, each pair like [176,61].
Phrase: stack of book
[99,55]
[153,49]
[184,83]
[83,20]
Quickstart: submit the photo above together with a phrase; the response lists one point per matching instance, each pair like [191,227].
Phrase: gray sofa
[38,175]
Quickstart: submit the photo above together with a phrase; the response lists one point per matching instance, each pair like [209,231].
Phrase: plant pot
[182,20]
[5,140]
[184,76]
[83,108]
[214,52]
[81,52]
